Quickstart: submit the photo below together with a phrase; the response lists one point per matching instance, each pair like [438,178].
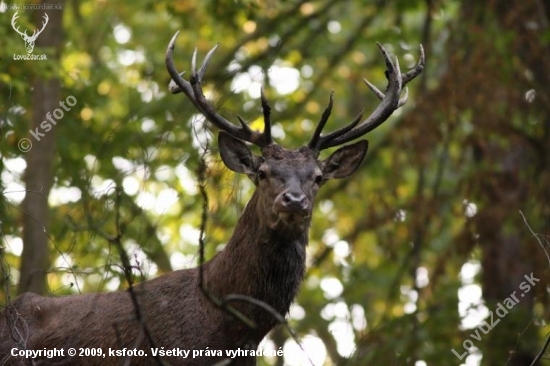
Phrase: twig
[544,247]
[520,335]
[541,352]
[127,269]
[545,250]
[201,172]
[223,304]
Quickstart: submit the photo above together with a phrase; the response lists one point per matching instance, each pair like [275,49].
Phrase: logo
[29,40]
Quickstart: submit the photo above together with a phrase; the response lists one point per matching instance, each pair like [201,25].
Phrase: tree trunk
[40,161]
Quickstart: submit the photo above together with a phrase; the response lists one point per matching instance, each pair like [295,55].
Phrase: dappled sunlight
[296,312]
[122,33]
[314,352]
[470,208]
[63,195]
[332,287]
[343,333]
[102,187]
[13,244]
[189,234]
[131,185]
[358,319]
[470,307]
[422,278]
[284,79]
[186,179]
[14,192]
[410,298]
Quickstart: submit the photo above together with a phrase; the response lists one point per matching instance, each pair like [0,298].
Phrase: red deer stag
[261,266]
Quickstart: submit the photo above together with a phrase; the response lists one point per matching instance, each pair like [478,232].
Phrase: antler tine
[206,60]
[37,32]
[374,89]
[324,118]
[177,83]
[404,98]
[194,65]
[390,101]
[267,118]
[13,24]
[45,22]
[339,132]
[193,90]
[411,74]
[380,95]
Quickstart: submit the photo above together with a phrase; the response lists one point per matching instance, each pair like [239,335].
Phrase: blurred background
[407,258]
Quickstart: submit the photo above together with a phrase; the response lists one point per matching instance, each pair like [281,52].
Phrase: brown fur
[176,312]
[264,260]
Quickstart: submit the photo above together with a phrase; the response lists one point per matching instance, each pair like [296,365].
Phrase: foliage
[389,248]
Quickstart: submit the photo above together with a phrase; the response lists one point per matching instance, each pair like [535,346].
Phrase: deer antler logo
[29,40]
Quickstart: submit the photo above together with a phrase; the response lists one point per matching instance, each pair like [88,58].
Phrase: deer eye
[261,175]
[318,179]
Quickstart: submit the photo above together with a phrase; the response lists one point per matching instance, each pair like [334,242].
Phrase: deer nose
[294,201]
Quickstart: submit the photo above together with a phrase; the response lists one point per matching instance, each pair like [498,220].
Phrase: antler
[36,33]
[390,101]
[13,19]
[193,90]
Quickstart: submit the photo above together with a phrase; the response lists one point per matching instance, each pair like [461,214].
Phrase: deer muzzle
[293,201]
[292,207]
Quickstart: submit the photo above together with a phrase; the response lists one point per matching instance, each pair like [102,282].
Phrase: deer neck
[259,262]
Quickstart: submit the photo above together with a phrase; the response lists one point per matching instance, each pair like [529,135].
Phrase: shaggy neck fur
[264,264]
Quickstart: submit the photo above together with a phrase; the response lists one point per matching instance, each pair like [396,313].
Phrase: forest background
[441,224]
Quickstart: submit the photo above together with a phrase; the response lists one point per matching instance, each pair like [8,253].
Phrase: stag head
[288,180]
[29,40]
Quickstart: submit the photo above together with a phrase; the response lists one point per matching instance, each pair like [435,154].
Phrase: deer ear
[236,155]
[344,161]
